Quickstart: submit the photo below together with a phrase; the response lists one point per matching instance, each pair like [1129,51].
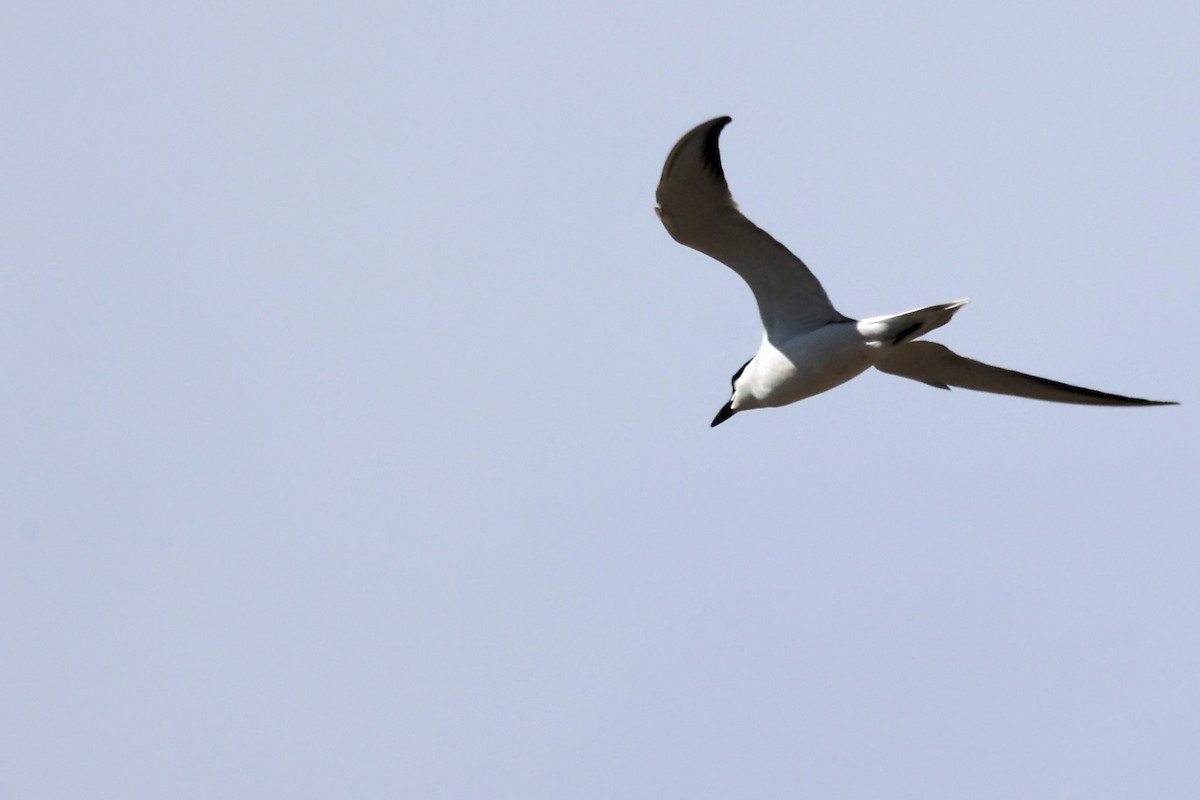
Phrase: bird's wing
[697,209]
[937,365]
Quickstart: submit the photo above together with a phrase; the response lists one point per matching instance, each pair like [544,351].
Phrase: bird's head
[737,400]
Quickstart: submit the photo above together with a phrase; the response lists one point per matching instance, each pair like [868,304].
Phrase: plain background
[355,404]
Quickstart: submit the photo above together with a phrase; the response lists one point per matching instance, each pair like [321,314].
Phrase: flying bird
[808,347]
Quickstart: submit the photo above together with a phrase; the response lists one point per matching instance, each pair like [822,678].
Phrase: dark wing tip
[709,150]
[1102,398]
[704,138]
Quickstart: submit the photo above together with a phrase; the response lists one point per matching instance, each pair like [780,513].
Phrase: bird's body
[816,361]
[805,365]
[808,347]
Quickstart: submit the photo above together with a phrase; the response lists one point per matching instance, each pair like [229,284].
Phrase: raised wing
[937,365]
[697,209]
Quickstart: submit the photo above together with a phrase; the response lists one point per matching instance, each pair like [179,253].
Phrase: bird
[808,347]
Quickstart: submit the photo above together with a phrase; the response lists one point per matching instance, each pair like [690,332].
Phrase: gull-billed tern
[807,346]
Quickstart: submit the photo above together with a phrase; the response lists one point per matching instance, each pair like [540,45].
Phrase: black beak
[725,413]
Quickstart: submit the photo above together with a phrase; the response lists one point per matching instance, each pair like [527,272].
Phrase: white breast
[803,366]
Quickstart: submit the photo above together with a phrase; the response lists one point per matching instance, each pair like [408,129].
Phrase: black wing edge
[1107,398]
[709,150]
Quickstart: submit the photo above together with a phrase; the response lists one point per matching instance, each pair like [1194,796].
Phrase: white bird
[807,346]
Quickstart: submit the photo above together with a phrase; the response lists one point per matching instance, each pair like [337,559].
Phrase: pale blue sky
[356,404]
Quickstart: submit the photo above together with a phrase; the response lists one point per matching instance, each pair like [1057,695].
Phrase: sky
[356,404]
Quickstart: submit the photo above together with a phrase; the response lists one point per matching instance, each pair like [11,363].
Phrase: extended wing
[697,209]
[938,365]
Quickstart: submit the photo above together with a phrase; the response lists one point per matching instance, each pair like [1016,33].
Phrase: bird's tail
[910,325]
